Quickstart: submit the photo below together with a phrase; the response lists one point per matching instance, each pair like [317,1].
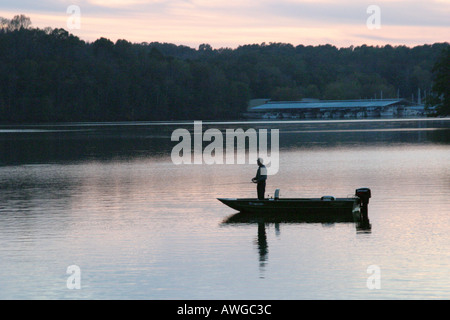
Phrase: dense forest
[51,75]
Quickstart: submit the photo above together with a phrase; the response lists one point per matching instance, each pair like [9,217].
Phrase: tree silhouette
[441,84]
[51,75]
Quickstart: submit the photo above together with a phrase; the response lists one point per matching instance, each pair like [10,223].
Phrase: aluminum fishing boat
[325,204]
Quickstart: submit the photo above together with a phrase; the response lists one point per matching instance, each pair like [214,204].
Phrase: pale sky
[230,23]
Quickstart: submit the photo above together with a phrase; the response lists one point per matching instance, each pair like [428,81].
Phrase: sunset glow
[232,23]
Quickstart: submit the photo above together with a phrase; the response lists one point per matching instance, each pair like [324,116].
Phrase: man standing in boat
[260,179]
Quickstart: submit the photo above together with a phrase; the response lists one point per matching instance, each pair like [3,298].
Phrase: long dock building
[334,109]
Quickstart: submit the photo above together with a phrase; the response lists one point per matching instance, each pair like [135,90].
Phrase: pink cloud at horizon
[234,23]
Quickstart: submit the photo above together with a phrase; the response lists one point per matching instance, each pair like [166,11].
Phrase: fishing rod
[224,184]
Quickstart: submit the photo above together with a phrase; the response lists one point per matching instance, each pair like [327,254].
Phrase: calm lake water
[108,199]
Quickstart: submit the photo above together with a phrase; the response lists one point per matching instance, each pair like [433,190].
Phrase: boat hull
[294,206]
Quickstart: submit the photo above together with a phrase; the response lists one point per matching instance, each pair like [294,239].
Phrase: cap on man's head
[260,160]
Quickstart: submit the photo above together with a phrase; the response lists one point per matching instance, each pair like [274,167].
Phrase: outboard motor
[364,195]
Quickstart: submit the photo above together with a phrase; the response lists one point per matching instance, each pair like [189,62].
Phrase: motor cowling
[364,195]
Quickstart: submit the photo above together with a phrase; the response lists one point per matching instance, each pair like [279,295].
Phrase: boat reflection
[362,222]
[359,218]
[319,217]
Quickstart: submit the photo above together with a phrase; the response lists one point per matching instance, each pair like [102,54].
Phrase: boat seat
[277,194]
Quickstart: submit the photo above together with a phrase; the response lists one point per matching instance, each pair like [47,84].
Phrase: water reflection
[75,142]
[363,224]
[109,199]
[263,221]
[263,247]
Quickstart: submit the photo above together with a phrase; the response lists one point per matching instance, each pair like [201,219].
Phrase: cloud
[235,22]
[120,3]
[406,12]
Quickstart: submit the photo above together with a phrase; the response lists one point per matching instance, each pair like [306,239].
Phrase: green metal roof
[328,104]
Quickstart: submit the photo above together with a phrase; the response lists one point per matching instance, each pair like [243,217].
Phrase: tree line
[50,75]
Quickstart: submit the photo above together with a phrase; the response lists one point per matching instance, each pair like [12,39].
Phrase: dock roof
[332,104]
